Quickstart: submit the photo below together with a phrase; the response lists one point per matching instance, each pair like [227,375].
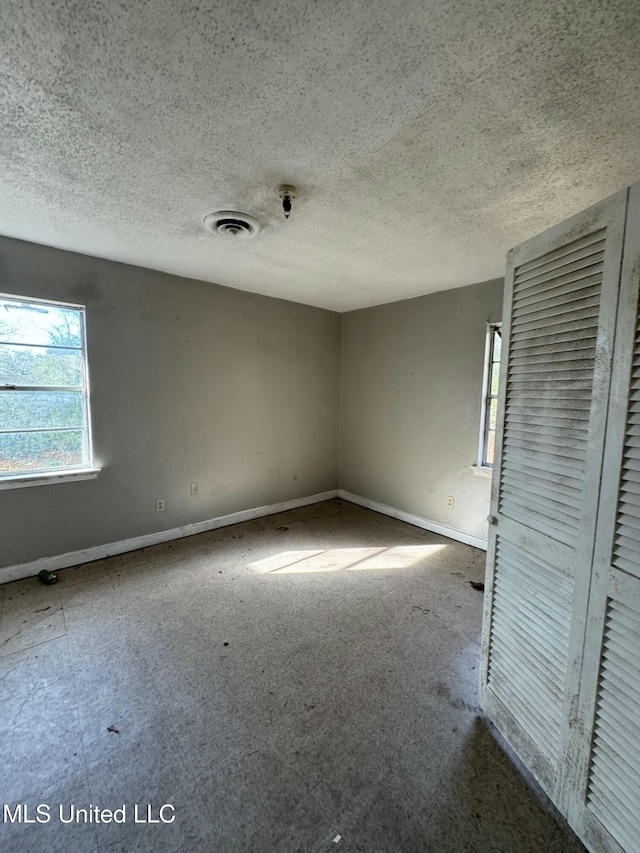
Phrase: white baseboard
[418,521]
[99,552]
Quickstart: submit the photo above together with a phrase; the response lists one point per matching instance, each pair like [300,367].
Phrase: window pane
[495,376]
[35,323]
[41,451]
[497,346]
[491,440]
[23,365]
[493,413]
[40,409]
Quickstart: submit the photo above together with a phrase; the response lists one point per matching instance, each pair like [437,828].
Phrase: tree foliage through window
[43,395]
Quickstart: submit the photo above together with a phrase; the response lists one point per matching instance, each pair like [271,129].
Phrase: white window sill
[481,471]
[21,481]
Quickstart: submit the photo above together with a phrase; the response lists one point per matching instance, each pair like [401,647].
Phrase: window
[490,395]
[44,394]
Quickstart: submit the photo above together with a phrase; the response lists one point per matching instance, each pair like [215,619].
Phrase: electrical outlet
[450,502]
[195,489]
[160,505]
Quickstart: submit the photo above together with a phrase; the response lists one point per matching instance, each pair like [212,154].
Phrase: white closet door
[605,810]
[558,330]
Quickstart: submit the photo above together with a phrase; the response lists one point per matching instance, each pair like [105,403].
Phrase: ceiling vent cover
[231,224]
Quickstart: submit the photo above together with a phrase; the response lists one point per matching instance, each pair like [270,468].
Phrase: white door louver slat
[563,499]
[574,448]
[542,497]
[617,777]
[613,790]
[526,592]
[552,424]
[571,466]
[553,398]
[627,541]
[569,452]
[547,418]
[558,301]
[631,499]
[529,641]
[525,610]
[627,560]
[546,383]
[572,330]
[624,664]
[544,732]
[537,658]
[610,736]
[539,505]
[554,305]
[525,515]
[558,482]
[562,434]
[581,272]
[616,719]
[512,615]
[562,339]
[520,706]
[574,352]
[555,267]
[588,240]
[564,348]
[570,479]
[609,801]
[626,545]
[631,485]
[625,616]
[526,414]
[542,462]
[626,703]
[610,677]
[560,285]
[541,487]
[629,518]
[631,482]
[582,312]
[564,479]
[550,366]
[604,806]
[559,289]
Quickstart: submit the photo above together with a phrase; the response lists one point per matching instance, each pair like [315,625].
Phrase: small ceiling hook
[287,194]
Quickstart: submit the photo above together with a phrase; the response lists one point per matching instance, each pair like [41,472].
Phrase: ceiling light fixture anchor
[286,194]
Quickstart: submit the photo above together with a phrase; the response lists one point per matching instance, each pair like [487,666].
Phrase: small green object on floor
[47,576]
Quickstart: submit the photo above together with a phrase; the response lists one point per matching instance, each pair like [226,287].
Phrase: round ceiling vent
[230,223]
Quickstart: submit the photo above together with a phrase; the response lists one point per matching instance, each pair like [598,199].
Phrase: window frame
[37,476]
[487,396]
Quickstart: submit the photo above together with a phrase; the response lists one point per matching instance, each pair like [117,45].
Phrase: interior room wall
[190,382]
[411,398]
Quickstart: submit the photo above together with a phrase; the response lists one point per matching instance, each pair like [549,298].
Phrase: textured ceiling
[426,138]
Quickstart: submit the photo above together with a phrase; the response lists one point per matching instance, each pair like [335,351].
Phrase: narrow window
[490,395]
[44,393]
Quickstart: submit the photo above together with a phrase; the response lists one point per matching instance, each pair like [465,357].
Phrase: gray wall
[411,396]
[189,382]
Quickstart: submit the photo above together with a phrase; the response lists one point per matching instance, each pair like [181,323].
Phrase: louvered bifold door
[558,327]
[605,810]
